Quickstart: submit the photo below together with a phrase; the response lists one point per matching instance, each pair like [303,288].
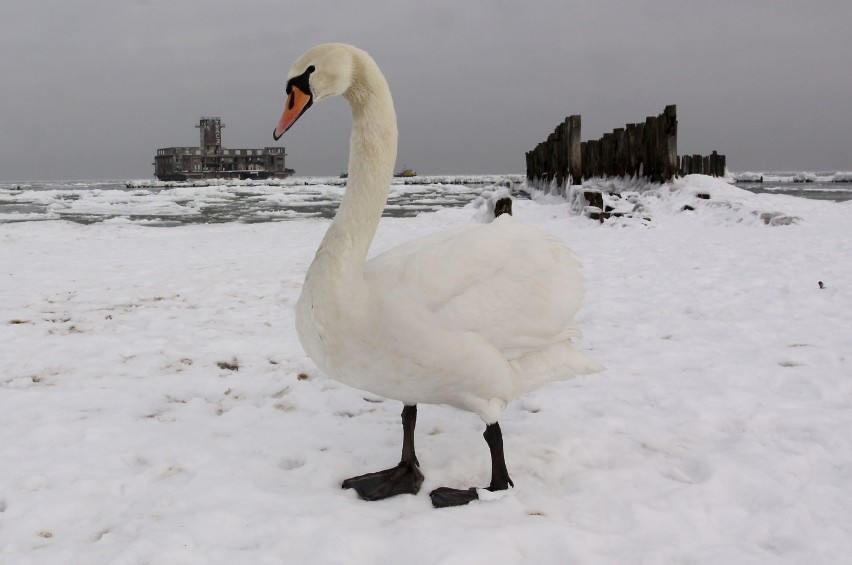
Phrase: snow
[486,201]
[156,407]
[709,200]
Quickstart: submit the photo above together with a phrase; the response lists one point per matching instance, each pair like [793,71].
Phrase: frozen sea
[154,203]
[157,408]
[210,202]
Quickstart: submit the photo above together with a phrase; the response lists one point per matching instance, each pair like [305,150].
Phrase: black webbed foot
[405,478]
[444,497]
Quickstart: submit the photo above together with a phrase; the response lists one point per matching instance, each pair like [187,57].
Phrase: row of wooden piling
[647,150]
[713,165]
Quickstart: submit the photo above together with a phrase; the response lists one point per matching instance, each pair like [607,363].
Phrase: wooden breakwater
[713,165]
[647,150]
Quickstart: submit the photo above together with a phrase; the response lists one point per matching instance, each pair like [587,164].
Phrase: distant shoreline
[791,176]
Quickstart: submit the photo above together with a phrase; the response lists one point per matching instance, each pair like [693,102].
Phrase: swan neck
[372,155]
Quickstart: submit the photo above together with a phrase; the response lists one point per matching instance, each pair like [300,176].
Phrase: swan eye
[302,81]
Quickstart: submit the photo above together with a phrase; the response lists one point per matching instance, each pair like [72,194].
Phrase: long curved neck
[372,155]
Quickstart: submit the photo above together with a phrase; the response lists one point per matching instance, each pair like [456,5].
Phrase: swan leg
[405,478]
[500,480]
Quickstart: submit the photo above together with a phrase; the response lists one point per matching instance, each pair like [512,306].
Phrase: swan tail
[558,362]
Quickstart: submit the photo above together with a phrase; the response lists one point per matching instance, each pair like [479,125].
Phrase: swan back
[512,284]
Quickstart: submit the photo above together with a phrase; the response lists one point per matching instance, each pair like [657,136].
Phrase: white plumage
[471,317]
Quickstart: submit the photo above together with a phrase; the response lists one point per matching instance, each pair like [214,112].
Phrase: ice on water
[157,203]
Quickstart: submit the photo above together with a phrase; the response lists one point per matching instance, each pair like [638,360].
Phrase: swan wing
[515,285]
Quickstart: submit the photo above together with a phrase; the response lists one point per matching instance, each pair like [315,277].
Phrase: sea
[167,204]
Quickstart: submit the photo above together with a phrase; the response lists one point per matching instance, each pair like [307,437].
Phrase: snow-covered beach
[156,407]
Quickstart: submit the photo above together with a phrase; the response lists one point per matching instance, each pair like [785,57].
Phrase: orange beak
[297,103]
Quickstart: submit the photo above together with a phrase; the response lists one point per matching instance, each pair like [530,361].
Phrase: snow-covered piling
[645,150]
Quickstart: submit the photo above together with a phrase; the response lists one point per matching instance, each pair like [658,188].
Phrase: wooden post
[632,157]
[539,163]
[637,148]
[648,148]
[598,157]
[593,148]
[619,160]
[670,114]
[563,153]
[545,161]
[606,155]
[536,171]
[553,155]
[528,160]
[575,160]
[660,148]
[588,167]
[556,152]
[697,165]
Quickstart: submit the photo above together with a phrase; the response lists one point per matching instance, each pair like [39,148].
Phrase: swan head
[322,72]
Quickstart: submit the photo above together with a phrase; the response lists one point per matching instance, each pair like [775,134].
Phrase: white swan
[472,317]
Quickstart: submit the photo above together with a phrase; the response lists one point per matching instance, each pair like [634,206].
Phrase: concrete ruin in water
[212,161]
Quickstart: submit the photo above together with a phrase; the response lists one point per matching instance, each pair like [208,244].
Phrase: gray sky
[91,88]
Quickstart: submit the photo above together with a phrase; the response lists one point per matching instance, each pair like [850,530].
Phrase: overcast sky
[89,89]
